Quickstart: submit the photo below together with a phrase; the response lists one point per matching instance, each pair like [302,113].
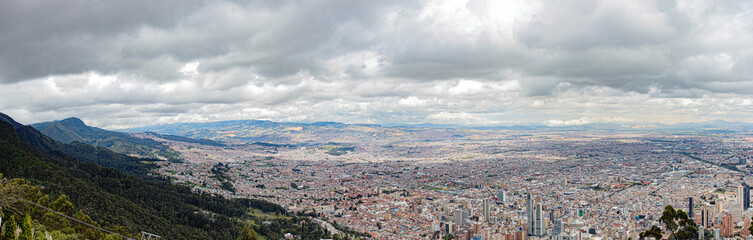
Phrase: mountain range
[249,131]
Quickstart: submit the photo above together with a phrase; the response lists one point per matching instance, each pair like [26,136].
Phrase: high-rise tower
[529,214]
[501,196]
[707,217]
[746,196]
[485,209]
[539,227]
[459,217]
[535,216]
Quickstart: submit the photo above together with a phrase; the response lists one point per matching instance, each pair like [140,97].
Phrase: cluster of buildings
[507,186]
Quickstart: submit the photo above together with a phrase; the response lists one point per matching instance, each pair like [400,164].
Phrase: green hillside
[74,130]
[123,203]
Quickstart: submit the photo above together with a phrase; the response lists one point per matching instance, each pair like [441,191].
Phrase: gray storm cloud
[120,64]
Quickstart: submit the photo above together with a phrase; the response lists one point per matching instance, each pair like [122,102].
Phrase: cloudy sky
[120,64]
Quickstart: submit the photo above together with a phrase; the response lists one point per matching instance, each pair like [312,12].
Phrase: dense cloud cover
[127,63]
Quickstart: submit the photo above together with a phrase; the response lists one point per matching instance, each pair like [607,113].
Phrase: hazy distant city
[472,184]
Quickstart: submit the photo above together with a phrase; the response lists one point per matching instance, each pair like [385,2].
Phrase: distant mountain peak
[73,122]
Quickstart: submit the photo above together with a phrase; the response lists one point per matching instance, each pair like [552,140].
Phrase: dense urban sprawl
[508,185]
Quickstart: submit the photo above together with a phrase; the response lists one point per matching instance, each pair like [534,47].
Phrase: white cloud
[190,69]
[557,122]
[466,61]
[413,101]
[460,118]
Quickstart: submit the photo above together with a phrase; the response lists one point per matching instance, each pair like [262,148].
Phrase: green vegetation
[133,166]
[274,226]
[653,232]
[337,150]
[25,228]
[42,221]
[169,154]
[9,228]
[227,186]
[114,198]
[122,203]
[248,233]
[676,222]
[220,173]
[73,130]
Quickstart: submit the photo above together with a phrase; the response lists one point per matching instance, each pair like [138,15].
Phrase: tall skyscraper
[529,214]
[707,217]
[458,217]
[535,225]
[502,196]
[485,206]
[539,227]
[741,194]
[728,225]
[690,207]
[746,196]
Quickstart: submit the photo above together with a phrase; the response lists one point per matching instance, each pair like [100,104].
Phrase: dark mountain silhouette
[73,130]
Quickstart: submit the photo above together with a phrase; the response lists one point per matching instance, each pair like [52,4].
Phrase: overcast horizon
[483,63]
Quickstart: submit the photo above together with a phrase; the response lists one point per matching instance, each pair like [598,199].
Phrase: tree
[248,233]
[9,193]
[668,219]
[26,228]
[654,232]
[63,205]
[9,229]
[676,222]
[686,227]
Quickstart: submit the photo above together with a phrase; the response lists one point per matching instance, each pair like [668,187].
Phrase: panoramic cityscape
[585,185]
[413,119]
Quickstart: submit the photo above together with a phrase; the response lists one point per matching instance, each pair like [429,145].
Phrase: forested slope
[133,202]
